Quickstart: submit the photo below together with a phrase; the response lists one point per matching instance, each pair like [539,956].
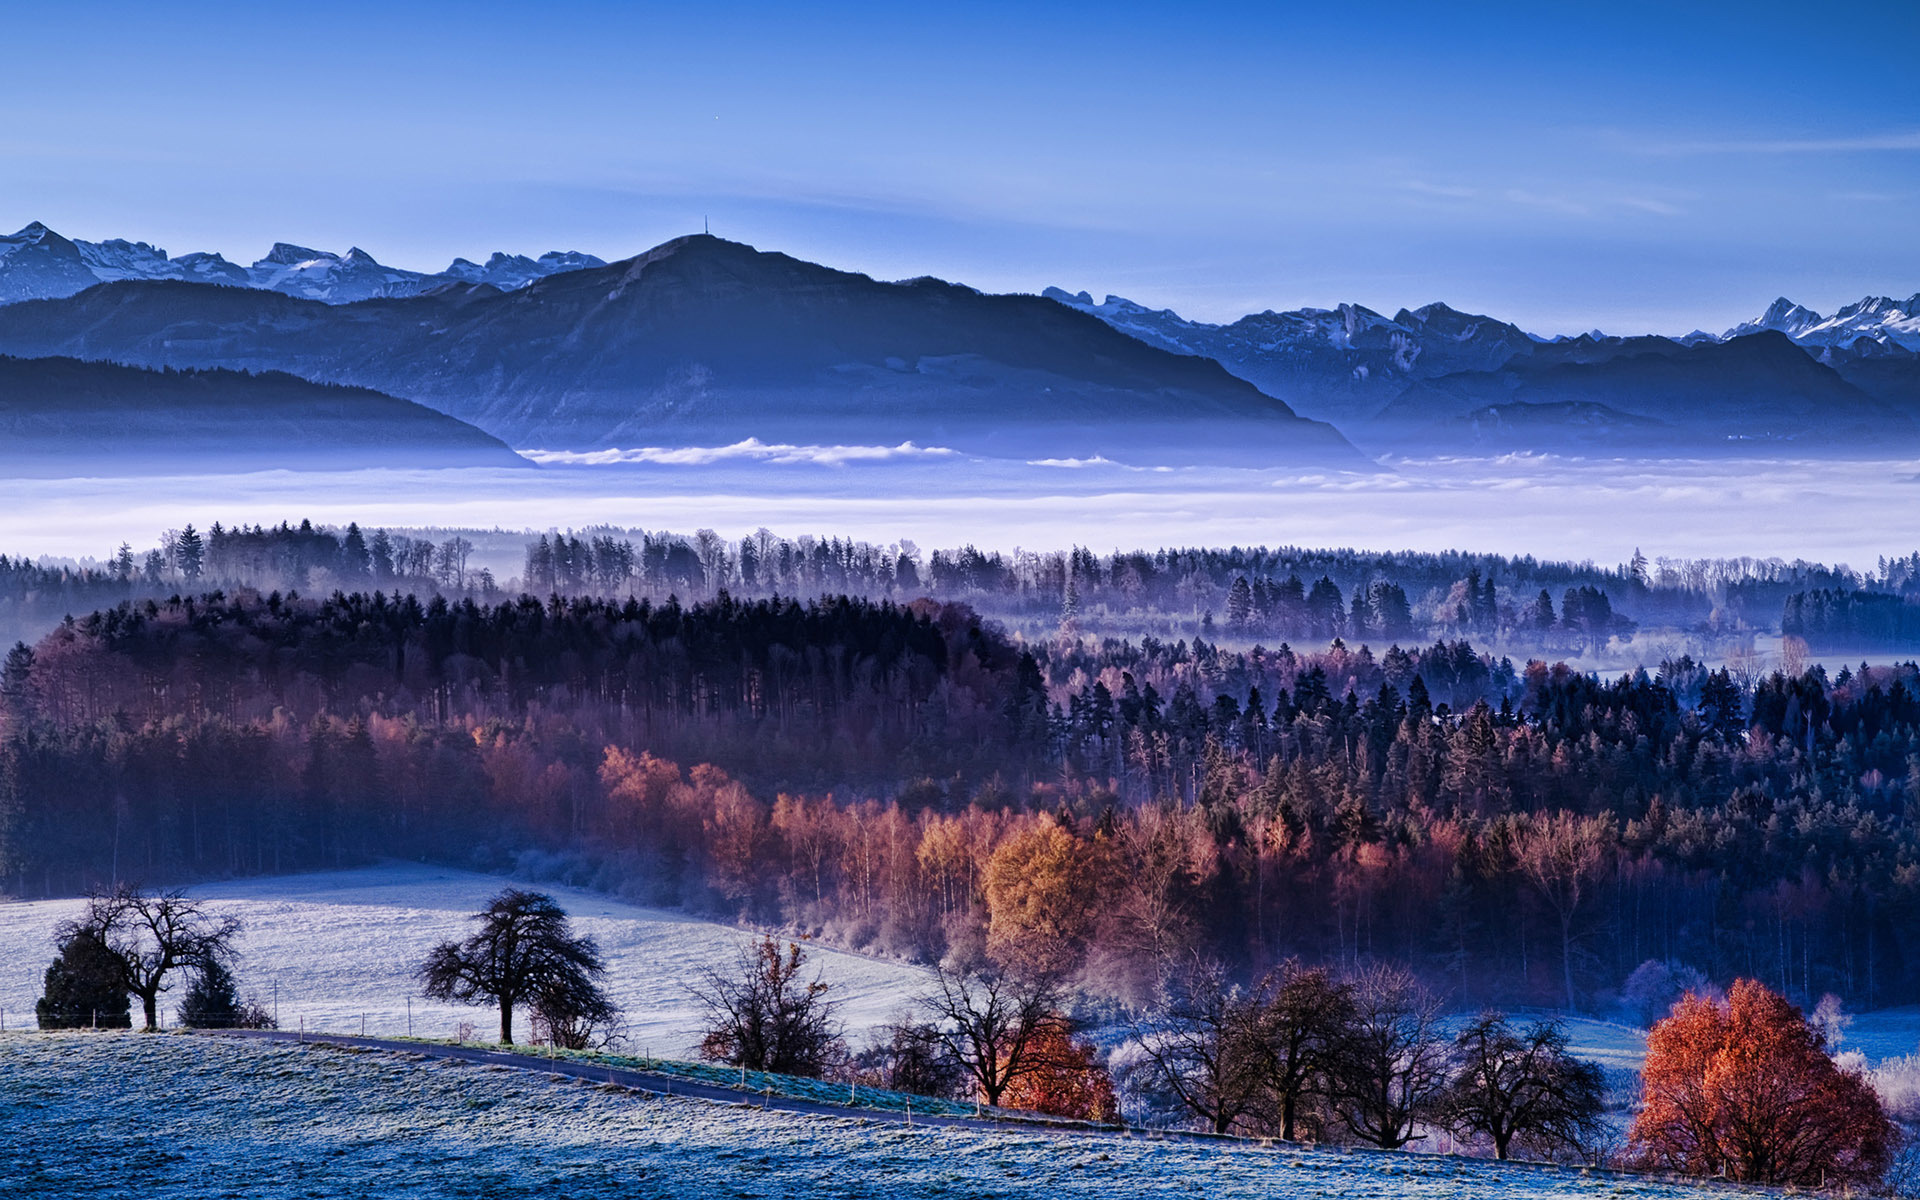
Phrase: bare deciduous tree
[1561,855]
[1304,1015]
[152,935]
[1391,1064]
[1204,1046]
[1522,1085]
[989,1021]
[764,1016]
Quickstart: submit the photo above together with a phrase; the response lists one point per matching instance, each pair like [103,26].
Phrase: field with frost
[341,945]
[180,1116]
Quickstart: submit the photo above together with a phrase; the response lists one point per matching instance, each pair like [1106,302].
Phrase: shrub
[1066,1080]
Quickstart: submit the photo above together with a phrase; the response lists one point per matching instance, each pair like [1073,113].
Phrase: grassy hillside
[316,1121]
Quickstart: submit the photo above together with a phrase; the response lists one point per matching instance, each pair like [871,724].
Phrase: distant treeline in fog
[913,779]
[1524,605]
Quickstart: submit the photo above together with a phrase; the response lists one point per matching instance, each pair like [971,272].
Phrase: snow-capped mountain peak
[1879,319]
[1782,315]
[286,254]
[510,271]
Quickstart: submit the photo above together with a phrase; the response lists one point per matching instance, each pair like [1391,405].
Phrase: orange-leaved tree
[1066,1080]
[1743,1087]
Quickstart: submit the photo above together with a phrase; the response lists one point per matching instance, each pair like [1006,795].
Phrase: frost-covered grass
[795,1087]
[1884,1033]
[344,944]
[127,1114]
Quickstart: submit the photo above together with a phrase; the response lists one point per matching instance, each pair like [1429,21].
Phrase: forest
[1518,606]
[914,779]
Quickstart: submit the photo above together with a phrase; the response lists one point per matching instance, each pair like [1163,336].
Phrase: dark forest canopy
[891,774]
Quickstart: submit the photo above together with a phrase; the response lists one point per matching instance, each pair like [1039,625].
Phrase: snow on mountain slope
[340,945]
[510,271]
[333,278]
[37,263]
[1875,319]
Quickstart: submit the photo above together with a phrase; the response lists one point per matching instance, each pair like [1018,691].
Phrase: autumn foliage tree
[1041,889]
[1744,1088]
[1066,1078]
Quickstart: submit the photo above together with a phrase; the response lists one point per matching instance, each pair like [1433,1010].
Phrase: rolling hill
[63,416]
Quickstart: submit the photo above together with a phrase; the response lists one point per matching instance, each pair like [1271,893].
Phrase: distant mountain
[1339,364]
[1436,379]
[509,271]
[704,341]
[37,263]
[1876,319]
[1758,393]
[62,416]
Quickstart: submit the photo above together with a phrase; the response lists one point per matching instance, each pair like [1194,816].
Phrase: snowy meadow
[335,949]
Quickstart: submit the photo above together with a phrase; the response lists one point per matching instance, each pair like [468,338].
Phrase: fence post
[409,1016]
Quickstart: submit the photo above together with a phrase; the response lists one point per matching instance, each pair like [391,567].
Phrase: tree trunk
[1566,954]
[506,1020]
[150,1006]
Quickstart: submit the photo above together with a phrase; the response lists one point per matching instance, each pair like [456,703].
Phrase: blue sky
[1635,167]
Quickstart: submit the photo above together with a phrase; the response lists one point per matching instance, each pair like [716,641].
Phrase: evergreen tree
[1239,604]
[84,987]
[354,556]
[211,1002]
[189,552]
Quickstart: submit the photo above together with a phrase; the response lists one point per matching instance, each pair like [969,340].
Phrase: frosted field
[342,945]
[180,1116]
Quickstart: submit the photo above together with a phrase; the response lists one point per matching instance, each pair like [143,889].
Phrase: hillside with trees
[911,779]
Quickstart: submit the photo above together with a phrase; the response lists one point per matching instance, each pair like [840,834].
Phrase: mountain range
[702,341]
[37,264]
[1437,380]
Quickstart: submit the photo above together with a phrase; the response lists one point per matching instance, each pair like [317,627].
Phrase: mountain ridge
[704,341]
[38,264]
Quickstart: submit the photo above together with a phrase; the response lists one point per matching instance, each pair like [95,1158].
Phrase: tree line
[912,780]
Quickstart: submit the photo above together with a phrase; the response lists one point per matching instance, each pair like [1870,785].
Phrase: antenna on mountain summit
[704,228]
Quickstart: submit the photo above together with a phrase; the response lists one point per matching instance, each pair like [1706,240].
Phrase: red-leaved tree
[1745,1088]
[1066,1079]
